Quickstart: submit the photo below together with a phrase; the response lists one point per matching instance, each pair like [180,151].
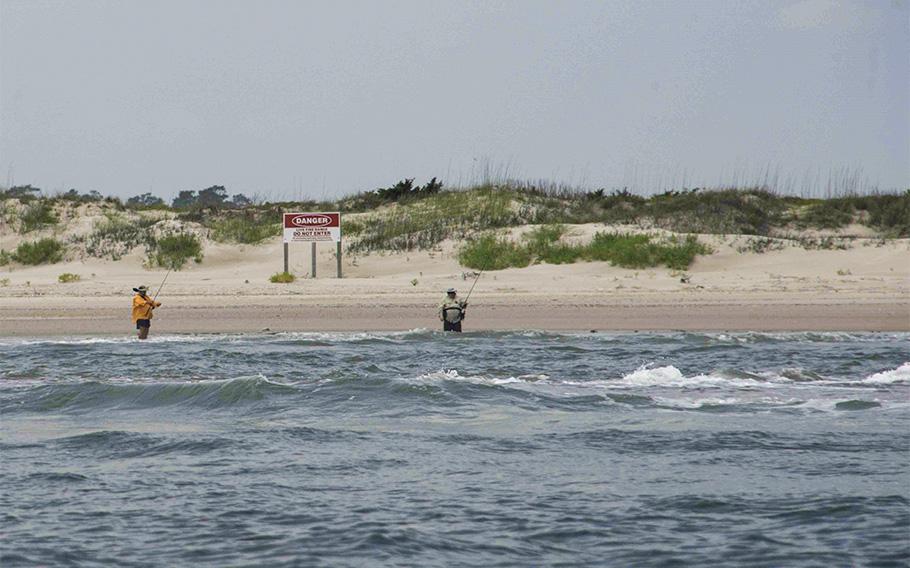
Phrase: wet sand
[45,316]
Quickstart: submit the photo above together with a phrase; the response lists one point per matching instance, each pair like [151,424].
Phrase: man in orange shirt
[142,311]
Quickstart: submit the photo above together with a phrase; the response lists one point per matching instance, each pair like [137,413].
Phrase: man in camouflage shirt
[451,311]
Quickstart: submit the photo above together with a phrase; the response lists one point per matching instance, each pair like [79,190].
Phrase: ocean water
[480,449]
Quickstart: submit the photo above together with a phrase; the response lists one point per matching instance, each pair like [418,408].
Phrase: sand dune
[864,287]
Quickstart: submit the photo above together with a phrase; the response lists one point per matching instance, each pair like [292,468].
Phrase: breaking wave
[92,395]
[898,375]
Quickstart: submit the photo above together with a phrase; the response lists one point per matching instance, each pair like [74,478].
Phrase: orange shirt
[142,307]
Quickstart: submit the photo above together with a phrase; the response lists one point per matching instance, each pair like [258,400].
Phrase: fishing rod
[160,286]
[476,278]
[149,309]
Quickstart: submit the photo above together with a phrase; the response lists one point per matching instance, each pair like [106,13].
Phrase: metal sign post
[338,257]
[312,228]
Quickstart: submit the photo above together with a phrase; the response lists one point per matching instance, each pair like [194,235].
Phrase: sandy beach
[198,314]
[866,287]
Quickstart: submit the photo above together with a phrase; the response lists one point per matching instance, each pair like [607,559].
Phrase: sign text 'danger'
[310,227]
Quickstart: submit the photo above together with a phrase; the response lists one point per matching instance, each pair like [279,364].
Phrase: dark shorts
[143,323]
[449,326]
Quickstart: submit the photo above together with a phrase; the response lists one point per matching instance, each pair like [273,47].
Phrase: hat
[141,289]
[450,291]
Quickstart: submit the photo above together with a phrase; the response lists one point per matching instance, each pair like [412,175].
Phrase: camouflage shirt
[451,310]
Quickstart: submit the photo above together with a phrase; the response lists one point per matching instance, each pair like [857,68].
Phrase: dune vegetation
[282,278]
[638,230]
[44,251]
[543,244]
[174,250]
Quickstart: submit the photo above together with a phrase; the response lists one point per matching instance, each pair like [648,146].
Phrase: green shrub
[36,215]
[282,278]
[679,255]
[562,254]
[172,251]
[5,257]
[490,252]
[45,251]
[543,244]
[628,251]
[637,251]
[67,277]
[541,239]
[402,192]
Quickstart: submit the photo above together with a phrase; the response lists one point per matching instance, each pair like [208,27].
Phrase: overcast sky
[288,98]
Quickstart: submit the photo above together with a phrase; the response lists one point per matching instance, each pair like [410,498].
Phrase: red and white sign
[310,227]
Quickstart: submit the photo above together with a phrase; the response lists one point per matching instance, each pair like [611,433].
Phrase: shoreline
[62,316]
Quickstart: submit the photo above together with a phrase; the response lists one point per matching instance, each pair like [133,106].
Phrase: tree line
[213,197]
[217,196]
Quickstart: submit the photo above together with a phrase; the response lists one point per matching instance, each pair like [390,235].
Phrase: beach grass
[245,226]
[37,215]
[425,223]
[115,236]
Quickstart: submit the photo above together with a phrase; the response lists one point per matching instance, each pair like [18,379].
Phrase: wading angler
[452,311]
[143,310]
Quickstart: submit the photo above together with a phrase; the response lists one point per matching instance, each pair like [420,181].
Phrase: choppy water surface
[489,449]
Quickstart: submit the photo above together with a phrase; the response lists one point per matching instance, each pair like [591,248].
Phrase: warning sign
[312,227]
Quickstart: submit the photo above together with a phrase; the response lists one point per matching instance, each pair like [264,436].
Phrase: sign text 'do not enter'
[312,227]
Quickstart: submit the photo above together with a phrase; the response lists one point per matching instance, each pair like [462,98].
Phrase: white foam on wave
[645,376]
[687,404]
[349,336]
[899,375]
[454,375]
[670,376]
